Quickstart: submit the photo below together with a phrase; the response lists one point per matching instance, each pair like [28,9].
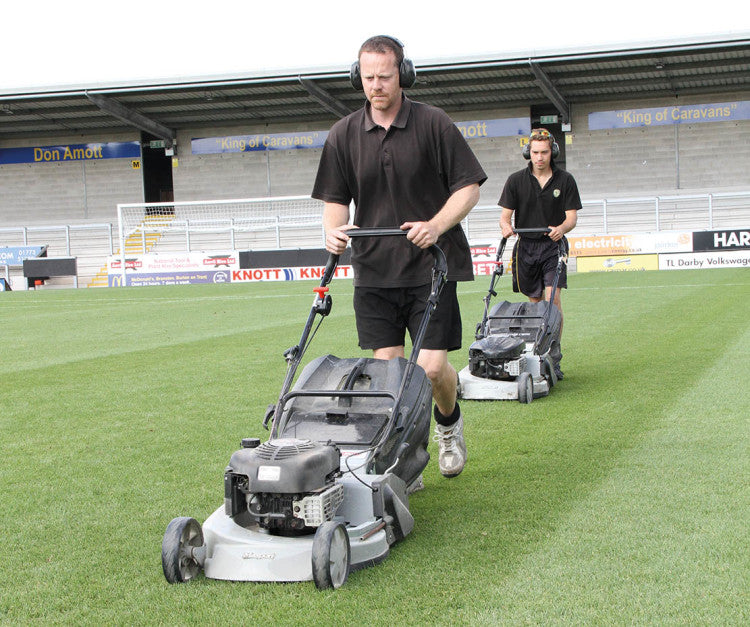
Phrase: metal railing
[93,244]
[598,217]
[65,238]
[696,212]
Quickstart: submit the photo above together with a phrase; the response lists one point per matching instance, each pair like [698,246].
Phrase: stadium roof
[557,79]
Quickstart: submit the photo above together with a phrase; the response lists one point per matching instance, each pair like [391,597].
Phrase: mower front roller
[182,550]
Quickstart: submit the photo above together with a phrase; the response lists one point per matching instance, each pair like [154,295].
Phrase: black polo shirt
[405,174]
[537,207]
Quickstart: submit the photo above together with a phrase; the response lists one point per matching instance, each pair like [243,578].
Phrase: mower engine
[287,486]
[497,357]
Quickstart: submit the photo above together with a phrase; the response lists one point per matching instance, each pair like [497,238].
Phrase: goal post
[142,225]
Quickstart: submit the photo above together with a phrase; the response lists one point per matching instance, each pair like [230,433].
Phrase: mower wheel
[182,540]
[331,555]
[525,388]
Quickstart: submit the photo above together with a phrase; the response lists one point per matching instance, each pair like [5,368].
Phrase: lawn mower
[328,492]
[510,357]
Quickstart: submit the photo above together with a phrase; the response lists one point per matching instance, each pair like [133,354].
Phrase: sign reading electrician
[674,114]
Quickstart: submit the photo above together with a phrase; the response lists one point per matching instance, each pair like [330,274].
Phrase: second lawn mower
[510,358]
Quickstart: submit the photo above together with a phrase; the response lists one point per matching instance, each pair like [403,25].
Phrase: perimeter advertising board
[630,244]
[595,253]
[484,259]
[248,267]
[727,239]
[727,248]
[15,255]
[618,263]
[208,267]
[172,269]
[701,261]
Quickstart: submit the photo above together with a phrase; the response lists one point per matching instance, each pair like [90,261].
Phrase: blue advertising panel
[507,127]
[675,114]
[315,139]
[15,255]
[70,152]
[251,143]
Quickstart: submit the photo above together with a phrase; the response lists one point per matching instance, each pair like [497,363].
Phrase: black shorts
[384,314]
[535,264]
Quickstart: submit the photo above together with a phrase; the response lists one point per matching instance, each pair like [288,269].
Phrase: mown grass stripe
[663,538]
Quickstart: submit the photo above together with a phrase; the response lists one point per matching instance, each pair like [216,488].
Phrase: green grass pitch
[621,498]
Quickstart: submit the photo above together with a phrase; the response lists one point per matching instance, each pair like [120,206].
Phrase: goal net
[278,222]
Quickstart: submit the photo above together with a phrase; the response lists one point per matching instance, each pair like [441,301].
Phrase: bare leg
[440,373]
[443,378]
[388,352]
[452,447]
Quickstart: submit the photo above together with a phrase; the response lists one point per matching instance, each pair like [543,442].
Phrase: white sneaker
[453,454]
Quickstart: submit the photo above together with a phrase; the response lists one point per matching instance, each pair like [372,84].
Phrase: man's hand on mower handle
[556,233]
[507,230]
[337,239]
[422,234]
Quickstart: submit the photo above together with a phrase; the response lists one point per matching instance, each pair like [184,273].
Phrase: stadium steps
[142,240]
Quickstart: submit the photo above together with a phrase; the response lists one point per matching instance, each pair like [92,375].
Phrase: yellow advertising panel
[617,263]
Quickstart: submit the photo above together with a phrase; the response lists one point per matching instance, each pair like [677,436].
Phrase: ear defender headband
[543,134]
[407,73]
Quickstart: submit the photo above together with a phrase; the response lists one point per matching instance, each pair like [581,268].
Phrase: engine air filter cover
[286,466]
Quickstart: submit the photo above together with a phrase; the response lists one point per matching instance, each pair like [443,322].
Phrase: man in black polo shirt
[540,196]
[404,164]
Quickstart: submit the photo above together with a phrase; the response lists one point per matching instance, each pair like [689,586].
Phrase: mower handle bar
[527,231]
[441,264]
[542,229]
[440,273]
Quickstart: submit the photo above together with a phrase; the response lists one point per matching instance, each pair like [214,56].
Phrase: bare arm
[505,222]
[455,209]
[335,217]
[557,232]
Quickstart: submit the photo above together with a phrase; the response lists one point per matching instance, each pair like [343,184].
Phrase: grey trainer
[453,456]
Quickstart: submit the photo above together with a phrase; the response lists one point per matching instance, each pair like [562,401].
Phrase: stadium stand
[644,128]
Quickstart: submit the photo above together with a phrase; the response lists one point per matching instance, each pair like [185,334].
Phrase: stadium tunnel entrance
[548,117]
[156,167]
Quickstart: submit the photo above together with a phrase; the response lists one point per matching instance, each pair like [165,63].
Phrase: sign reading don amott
[70,152]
